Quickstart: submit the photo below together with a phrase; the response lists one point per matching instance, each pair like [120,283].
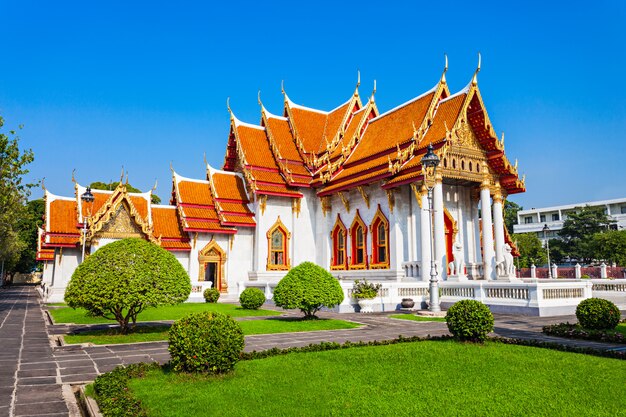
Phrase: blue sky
[101,85]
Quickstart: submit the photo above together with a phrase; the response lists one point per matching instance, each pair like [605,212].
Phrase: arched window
[339,236]
[358,240]
[278,247]
[380,241]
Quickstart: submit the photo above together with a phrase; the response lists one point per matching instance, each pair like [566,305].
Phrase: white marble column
[488,252]
[425,235]
[498,224]
[440,230]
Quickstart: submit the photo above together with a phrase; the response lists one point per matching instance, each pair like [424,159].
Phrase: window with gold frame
[380,241]
[339,244]
[358,241]
[278,247]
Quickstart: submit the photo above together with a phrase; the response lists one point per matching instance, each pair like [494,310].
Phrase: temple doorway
[211,260]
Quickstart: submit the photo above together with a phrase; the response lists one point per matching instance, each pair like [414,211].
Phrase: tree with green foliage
[125,277]
[510,214]
[558,251]
[610,246]
[31,220]
[579,228]
[531,250]
[99,185]
[13,195]
[308,287]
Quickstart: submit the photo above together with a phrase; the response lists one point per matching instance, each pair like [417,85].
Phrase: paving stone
[41,408]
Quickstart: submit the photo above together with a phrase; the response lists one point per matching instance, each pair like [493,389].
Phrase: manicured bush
[125,277]
[576,331]
[114,397]
[211,295]
[251,298]
[469,320]
[308,287]
[205,342]
[597,314]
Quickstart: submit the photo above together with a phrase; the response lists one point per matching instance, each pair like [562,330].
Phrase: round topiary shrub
[308,287]
[211,295]
[597,314]
[123,278]
[206,342]
[251,298]
[469,320]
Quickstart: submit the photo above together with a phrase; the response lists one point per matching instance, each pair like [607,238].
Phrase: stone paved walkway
[35,377]
[29,375]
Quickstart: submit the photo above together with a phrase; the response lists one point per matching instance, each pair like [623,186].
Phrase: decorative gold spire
[43,184]
[373,93]
[73,177]
[156,182]
[122,175]
[445,69]
[232,116]
[475,78]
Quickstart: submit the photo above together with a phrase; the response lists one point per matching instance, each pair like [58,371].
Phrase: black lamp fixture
[87,196]
[430,159]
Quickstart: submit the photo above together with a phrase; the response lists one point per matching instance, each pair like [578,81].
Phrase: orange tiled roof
[392,128]
[279,128]
[447,113]
[167,227]
[231,198]
[62,217]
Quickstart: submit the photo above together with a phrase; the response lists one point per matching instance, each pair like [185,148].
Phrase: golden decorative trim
[345,201]
[364,195]
[326,205]
[358,221]
[296,205]
[390,199]
[195,239]
[339,224]
[212,252]
[119,200]
[262,203]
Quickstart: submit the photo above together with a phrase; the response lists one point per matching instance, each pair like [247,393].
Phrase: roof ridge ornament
[122,175]
[73,177]
[43,184]
[373,93]
[475,78]
[445,69]
[172,168]
[229,109]
[154,187]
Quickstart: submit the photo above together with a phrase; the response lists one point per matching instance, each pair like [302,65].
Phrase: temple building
[343,188]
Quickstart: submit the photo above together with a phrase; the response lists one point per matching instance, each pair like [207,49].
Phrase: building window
[380,241]
[338,236]
[358,235]
[528,219]
[555,217]
[623,209]
[278,246]
[542,218]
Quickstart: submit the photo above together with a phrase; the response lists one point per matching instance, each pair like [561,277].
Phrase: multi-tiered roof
[353,145]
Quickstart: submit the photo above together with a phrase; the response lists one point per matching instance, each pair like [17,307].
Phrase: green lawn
[409,379]
[413,317]
[621,328]
[79,316]
[156,333]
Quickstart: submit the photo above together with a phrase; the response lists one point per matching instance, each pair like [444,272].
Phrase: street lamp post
[431,160]
[545,230]
[87,198]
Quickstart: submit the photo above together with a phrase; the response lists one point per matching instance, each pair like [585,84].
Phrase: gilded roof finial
[358,78]
[475,78]
[445,68]
[73,177]
[206,164]
[228,107]
[156,182]
[373,92]
[282,87]
[126,177]
[43,184]
[172,168]
[122,175]
[502,140]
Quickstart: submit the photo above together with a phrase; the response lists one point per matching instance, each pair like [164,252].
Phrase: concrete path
[29,375]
